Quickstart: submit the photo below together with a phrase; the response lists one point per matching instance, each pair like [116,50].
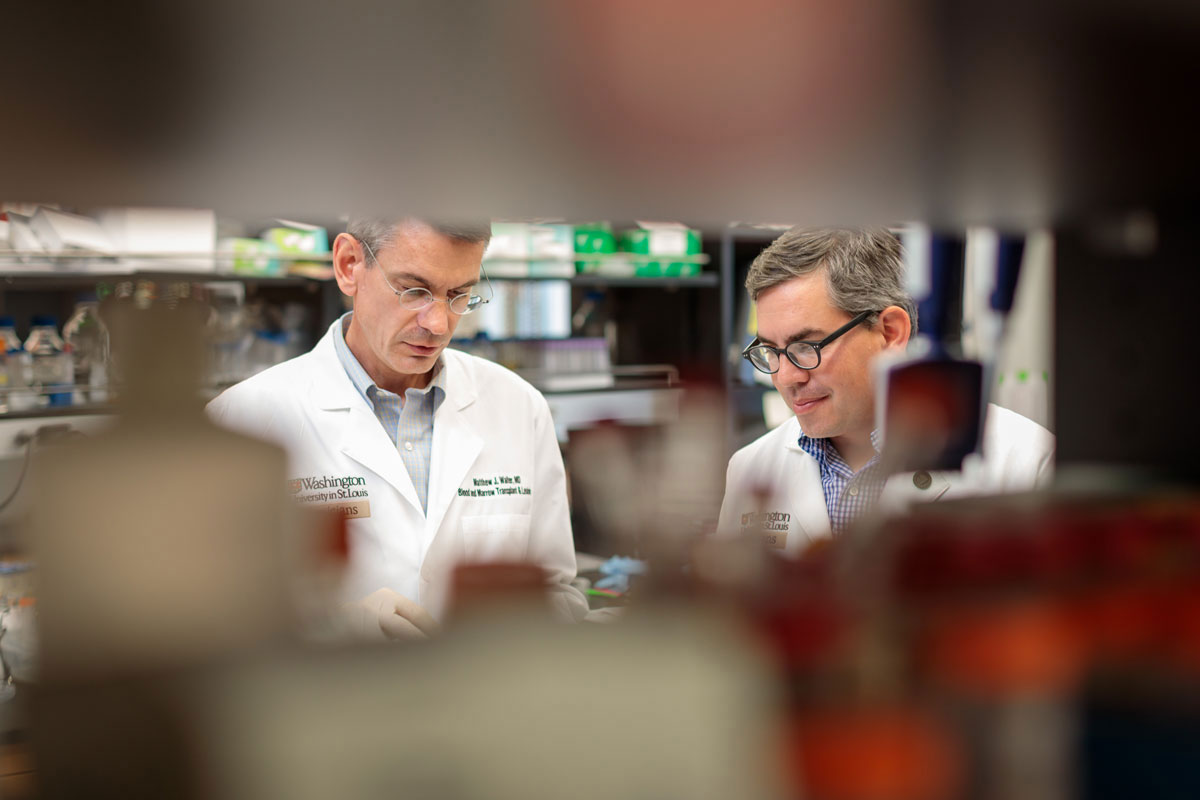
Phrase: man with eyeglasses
[434,457]
[829,303]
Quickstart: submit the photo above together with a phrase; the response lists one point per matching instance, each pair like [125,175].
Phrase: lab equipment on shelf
[52,373]
[87,340]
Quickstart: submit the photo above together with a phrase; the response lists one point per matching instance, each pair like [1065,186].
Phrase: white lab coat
[773,486]
[497,487]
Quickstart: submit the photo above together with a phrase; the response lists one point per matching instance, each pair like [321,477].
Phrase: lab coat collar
[362,437]
[459,379]
[331,387]
[791,434]
[899,489]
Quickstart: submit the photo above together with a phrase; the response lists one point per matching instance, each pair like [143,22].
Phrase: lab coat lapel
[810,516]
[905,489]
[339,406]
[365,441]
[456,445]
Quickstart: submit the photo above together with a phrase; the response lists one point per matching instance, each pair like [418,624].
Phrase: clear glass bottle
[51,371]
[14,370]
[87,340]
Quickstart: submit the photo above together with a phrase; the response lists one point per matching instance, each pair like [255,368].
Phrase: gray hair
[378,232]
[864,268]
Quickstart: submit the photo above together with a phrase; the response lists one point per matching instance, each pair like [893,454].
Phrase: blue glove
[619,569]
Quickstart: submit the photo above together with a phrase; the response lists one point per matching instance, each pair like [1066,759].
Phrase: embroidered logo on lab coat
[345,494]
[772,525]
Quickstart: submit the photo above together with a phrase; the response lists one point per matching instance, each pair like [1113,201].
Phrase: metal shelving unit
[29,280]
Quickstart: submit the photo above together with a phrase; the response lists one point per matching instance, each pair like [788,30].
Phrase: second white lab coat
[773,486]
[497,487]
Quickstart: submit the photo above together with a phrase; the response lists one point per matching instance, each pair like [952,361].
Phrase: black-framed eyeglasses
[419,297]
[804,355]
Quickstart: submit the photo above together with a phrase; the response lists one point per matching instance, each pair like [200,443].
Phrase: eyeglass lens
[802,354]
[416,299]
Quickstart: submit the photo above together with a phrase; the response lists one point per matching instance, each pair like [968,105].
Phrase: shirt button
[408,446]
[854,491]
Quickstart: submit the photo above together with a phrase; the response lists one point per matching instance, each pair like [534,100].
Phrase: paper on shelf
[59,231]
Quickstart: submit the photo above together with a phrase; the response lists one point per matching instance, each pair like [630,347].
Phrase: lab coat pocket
[495,537]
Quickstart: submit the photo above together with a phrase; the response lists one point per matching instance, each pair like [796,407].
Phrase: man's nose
[789,373]
[435,317]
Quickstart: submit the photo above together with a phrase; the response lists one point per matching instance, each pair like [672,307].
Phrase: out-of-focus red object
[1031,645]
[497,586]
[882,753]
[1127,620]
[1182,644]
[335,542]
[799,614]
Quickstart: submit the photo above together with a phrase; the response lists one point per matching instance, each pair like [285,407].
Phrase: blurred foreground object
[675,704]
[658,109]
[159,542]
[1036,646]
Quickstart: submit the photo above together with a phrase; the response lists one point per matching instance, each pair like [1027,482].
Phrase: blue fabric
[848,494]
[407,420]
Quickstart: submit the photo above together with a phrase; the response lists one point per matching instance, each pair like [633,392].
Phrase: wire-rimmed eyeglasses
[804,355]
[419,297]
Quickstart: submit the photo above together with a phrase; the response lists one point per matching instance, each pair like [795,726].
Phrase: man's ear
[895,326]
[349,260]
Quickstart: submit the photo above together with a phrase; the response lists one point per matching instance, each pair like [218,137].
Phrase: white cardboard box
[162,238]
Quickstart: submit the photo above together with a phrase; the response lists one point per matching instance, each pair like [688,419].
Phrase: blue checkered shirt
[407,419]
[847,493]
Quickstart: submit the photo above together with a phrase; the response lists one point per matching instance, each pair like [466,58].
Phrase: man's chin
[814,427]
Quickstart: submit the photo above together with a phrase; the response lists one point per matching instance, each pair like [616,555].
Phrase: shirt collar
[817,448]
[362,381]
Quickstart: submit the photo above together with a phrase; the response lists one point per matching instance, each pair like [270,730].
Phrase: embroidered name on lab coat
[494,486]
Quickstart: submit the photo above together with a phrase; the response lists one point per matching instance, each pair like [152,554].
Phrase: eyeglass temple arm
[857,320]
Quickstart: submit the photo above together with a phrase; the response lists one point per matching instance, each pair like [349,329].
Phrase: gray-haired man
[435,457]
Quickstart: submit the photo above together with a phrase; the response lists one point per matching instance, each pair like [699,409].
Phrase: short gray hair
[864,268]
[379,232]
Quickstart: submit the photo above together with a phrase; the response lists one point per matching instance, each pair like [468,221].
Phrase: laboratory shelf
[706,279]
[49,412]
[58,279]
[703,280]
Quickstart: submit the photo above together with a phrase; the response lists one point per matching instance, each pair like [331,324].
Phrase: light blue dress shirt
[407,419]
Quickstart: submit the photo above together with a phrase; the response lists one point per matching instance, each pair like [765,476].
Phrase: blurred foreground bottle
[193,569]
[87,341]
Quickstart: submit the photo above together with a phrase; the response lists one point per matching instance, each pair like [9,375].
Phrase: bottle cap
[6,321]
[44,319]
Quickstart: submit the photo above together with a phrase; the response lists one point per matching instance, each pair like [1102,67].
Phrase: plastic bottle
[87,340]
[267,349]
[14,370]
[52,373]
